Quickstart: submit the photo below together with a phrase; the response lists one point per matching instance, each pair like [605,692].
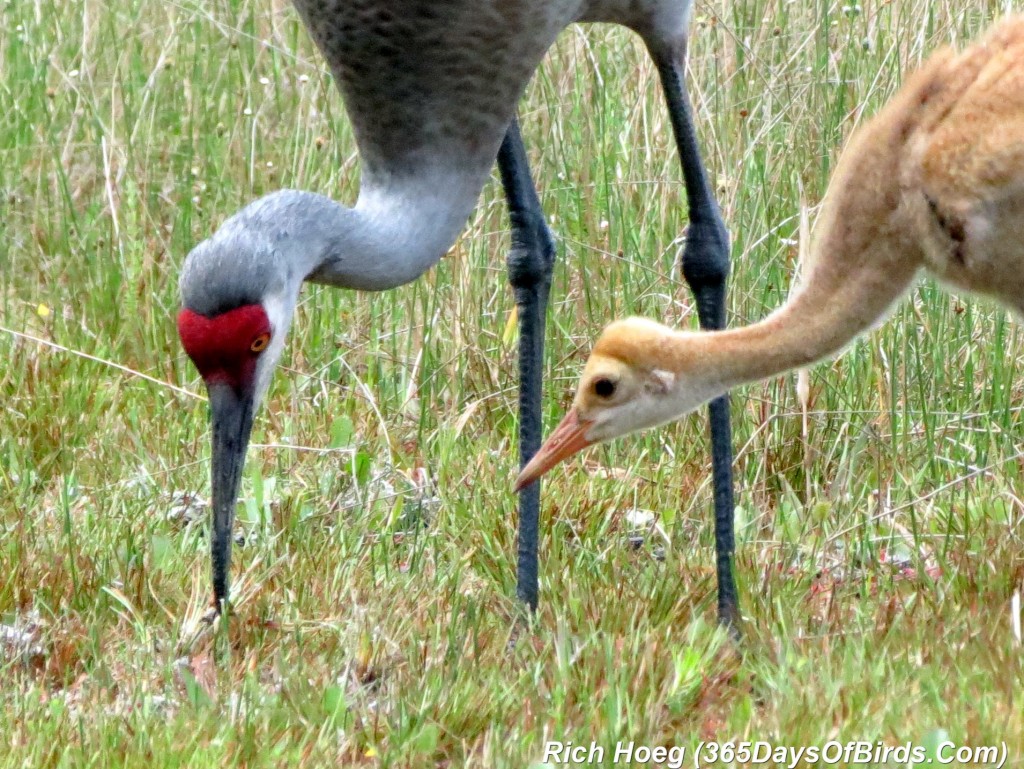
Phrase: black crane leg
[530,262]
[705,265]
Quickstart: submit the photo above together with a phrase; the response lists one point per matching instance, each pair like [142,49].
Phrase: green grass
[877,555]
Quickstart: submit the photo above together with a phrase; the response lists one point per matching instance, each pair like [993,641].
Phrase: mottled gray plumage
[430,87]
[426,79]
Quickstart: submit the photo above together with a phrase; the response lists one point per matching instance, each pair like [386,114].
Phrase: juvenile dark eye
[604,388]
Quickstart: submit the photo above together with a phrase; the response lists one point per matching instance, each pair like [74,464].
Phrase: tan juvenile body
[934,181]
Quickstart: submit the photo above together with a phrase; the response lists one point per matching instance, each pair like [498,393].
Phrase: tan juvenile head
[630,363]
[640,374]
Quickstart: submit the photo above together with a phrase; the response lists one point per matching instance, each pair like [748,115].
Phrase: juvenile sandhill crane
[431,88]
[935,181]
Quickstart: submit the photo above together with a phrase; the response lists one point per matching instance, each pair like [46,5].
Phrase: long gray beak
[231,415]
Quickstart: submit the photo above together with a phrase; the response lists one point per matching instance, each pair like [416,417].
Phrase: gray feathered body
[426,80]
[430,87]
[429,81]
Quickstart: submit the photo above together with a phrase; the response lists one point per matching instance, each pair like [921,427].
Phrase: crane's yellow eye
[259,344]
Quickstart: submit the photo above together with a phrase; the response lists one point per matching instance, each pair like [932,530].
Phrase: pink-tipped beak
[568,438]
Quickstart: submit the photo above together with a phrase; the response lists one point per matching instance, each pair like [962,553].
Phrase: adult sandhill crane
[431,88]
[935,181]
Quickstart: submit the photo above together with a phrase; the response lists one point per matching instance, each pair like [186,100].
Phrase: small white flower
[639,518]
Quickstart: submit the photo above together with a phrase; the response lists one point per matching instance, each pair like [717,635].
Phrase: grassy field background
[879,550]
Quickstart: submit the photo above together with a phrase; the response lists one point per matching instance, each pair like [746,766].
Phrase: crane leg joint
[705,265]
[532,256]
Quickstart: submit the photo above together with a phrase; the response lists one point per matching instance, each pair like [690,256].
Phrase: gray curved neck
[393,234]
[397,230]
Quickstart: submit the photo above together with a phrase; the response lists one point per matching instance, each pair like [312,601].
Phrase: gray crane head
[238,294]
